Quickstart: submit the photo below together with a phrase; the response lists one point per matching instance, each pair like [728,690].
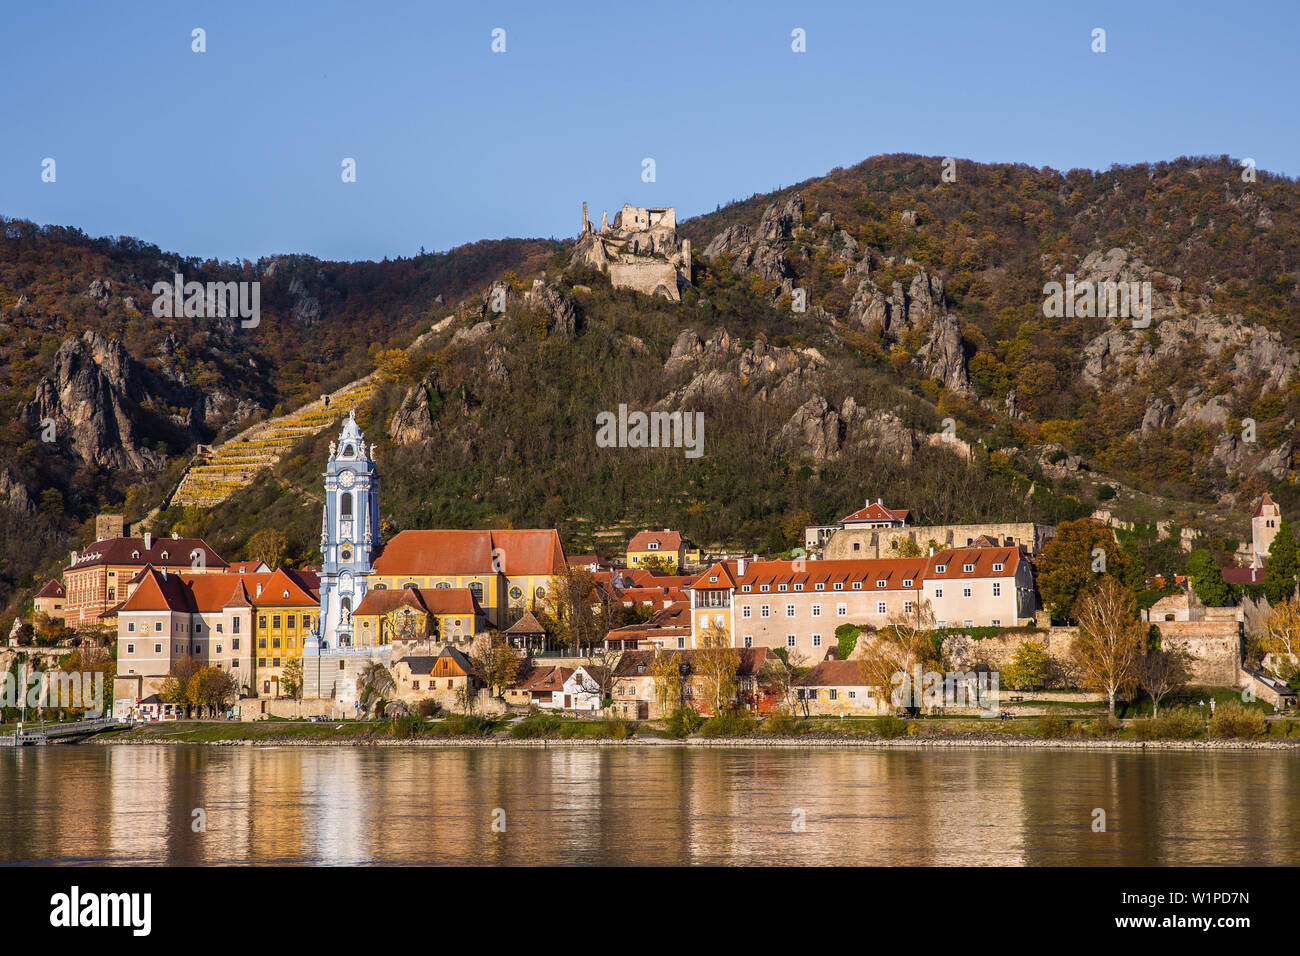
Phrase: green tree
[1283,565]
[1207,580]
[1082,551]
[291,678]
[1030,667]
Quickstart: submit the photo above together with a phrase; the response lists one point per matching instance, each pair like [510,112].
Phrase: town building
[836,688]
[635,696]
[664,547]
[799,604]
[444,677]
[50,599]
[1263,529]
[98,578]
[878,531]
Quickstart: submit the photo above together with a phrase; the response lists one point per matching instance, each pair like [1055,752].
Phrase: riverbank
[362,734]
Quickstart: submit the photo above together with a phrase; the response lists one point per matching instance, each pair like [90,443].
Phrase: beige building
[836,688]
[799,604]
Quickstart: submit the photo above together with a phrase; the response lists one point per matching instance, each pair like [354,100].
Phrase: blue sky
[236,152]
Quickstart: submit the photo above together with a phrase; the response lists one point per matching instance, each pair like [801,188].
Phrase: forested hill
[924,304]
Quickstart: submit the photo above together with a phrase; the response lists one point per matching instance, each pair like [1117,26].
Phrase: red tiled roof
[752,660]
[132,552]
[868,571]
[878,512]
[1266,500]
[431,600]
[833,674]
[1243,575]
[435,552]
[52,590]
[666,540]
[550,678]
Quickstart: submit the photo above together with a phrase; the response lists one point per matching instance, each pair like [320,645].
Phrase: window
[907,607]
[857,586]
[681,643]
[780,587]
[821,586]
[261,643]
[798,587]
[880,583]
[652,546]
[157,648]
[816,610]
[275,642]
[857,545]
[275,662]
[261,662]
[289,621]
[997,589]
[261,620]
[744,611]
[789,610]
[749,640]
[765,611]
[131,627]
[996,622]
[275,622]
[130,648]
[839,586]
[234,645]
[880,607]
[940,568]
[765,588]
[745,588]
[907,582]
[965,592]
[998,566]
[940,624]
[938,592]
[817,640]
[219,627]
[234,629]
[968,568]
[967,623]
[218,648]
[841,610]
[833,693]
[789,640]
[157,625]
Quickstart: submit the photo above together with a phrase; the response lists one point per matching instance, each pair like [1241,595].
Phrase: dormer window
[780,587]
[713,579]
[857,586]
[652,546]
[940,568]
[998,566]
[880,582]
[967,568]
[798,587]
[745,588]
[907,582]
[839,585]
[765,588]
[285,595]
[135,554]
[821,586]
[164,555]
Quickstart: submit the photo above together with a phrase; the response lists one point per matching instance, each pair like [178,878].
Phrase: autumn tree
[269,546]
[1081,551]
[1280,639]
[291,679]
[495,663]
[889,657]
[716,662]
[575,613]
[668,672]
[1108,644]
[1030,667]
[176,686]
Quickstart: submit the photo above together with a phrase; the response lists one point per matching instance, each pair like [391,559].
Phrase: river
[645,805]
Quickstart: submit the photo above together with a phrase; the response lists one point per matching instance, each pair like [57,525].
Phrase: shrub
[1233,720]
[471,725]
[536,725]
[683,722]
[428,707]
[890,727]
[731,723]
[782,723]
[1104,726]
[616,729]
[406,726]
[1052,725]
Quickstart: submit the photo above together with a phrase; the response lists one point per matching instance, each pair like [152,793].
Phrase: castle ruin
[639,251]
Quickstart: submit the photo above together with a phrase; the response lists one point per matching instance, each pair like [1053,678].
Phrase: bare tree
[716,662]
[1280,640]
[1108,647]
[890,656]
[1163,672]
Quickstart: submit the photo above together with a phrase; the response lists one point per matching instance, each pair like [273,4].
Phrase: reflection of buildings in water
[336,801]
[138,805]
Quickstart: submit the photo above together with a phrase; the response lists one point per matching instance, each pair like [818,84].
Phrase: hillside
[924,303]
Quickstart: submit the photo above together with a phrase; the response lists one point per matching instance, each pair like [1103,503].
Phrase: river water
[645,805]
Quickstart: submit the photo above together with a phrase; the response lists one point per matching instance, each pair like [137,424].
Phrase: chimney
[148,541]
[163,572]
[740,568]
[932,552]
[73,560]
[881,502]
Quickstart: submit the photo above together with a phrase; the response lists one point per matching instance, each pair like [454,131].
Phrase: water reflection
[670,805]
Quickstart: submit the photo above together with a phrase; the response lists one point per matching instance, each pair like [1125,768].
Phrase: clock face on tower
[347,479]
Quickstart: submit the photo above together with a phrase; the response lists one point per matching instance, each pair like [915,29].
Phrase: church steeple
[350,533]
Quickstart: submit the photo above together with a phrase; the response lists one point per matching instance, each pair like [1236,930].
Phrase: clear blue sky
[236,152]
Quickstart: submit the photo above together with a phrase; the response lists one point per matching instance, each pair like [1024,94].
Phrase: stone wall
[645,277]
[875,542]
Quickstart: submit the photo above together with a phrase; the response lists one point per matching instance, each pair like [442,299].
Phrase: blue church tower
[349,534]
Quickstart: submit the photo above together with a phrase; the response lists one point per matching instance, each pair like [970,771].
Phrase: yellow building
[508,572]
[411,615]
[666,547]
[287,604]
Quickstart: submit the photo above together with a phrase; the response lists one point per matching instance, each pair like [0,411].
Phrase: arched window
[345,504]
[476,589]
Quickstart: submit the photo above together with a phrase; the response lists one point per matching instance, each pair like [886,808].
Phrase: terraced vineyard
[232,465]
